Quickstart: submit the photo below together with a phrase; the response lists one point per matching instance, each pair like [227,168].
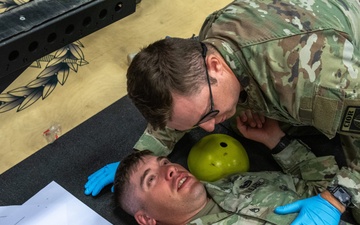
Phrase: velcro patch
[351,120]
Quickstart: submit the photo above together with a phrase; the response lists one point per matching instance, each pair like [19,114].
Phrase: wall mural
[58,67]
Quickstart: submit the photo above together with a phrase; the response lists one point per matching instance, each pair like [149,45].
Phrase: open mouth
[182,180]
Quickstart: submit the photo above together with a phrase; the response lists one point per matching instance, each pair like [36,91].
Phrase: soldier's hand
[101,178]
[252,119]
[269,134]
[312,211]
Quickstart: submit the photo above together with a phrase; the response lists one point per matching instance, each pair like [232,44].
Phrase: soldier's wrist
[281,145]
[341,194]
[333,201]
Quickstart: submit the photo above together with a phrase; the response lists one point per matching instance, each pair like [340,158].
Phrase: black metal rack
[37,28]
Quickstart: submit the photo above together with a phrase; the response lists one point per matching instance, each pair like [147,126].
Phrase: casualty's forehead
[142,165]
[145,160]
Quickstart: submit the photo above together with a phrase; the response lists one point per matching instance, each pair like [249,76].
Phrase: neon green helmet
[216,156]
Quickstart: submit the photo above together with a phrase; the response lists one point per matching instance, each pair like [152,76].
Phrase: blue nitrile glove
[98,180]
[314,210]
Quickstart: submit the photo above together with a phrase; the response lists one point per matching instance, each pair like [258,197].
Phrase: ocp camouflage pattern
[299,62]
[250,198]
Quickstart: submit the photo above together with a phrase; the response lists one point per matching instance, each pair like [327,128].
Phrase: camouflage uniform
[250,198]
[298,62]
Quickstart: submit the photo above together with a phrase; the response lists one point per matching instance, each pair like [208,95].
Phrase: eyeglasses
[213,112]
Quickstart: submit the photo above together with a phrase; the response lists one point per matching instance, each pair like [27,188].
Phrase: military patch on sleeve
[351,120]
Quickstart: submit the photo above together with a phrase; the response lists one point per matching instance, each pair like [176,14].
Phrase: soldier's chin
[232,113]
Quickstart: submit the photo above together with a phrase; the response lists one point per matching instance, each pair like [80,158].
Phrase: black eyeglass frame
[213,112]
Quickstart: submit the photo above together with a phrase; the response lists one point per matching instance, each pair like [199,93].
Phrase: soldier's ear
[143,219]
[214,65]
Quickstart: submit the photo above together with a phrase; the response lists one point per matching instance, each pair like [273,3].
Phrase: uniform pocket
[323,110]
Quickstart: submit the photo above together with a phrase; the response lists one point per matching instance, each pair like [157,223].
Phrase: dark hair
[171,65]
[124,196]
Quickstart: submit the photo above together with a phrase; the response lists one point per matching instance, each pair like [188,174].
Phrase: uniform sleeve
[293,156]
[161,142]
[350,179]
[297,159]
